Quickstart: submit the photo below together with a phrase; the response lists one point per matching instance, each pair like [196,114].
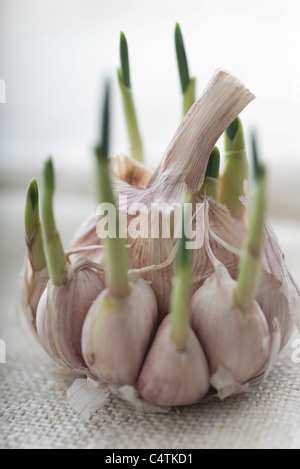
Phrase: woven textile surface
[34,412]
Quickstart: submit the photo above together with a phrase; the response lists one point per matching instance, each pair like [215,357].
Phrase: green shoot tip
[181,59]
[103,147]
[213,166]
[49,174]
[232,129]
[31,210]
[33,194]
[258,168]
[124,71]
[33,233]
[234,136]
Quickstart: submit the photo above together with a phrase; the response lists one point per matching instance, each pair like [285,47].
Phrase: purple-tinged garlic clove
[61,313]
[34,275]
[232,339]
[275,305]
[31,286]
[69,292]
[170,376]
[117,333]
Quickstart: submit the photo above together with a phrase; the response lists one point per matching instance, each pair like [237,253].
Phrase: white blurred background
[55,54]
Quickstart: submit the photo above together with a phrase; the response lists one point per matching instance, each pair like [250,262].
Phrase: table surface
[34,412]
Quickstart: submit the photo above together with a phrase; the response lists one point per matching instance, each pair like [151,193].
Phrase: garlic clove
[117,333]
[273,347]
[274,304]
[61,313]
[31,285]
[175,371]
[34,275]
[69,292]
[225,316]
[121,322]
[231,338]
[275,272]
[278,294]
[36,286]
[171,377]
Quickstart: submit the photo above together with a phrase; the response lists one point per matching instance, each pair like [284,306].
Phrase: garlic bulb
[126,314]
[117,333]
[62,310]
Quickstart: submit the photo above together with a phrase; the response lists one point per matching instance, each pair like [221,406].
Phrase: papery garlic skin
[31,286]
[126,170]
[117,333]
[62,311]
[85,237]
[275,305]
[130,171]
[278,295]
[184,163]
[283,299]
[232,339]
[171,377]
[147,251]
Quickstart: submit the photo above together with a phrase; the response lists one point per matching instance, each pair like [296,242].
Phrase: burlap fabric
[34,412]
